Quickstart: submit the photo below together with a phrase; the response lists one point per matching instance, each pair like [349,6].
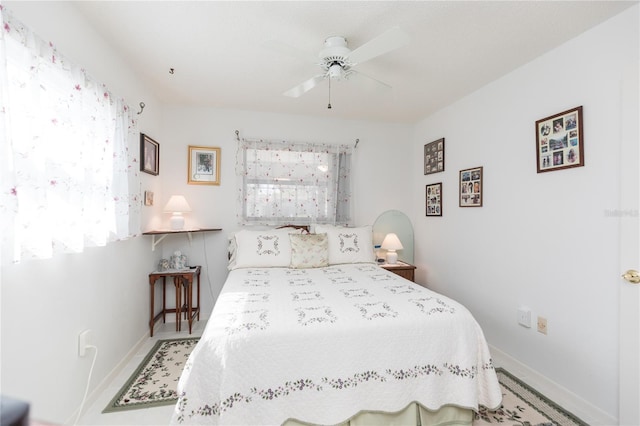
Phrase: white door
[629,410]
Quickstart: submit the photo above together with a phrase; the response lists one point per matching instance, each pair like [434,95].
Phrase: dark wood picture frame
[433,194]
[434,157]
[149,155]
[470,187]
[560,141]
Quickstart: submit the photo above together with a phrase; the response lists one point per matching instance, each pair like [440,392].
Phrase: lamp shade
[391,242]
[177,203]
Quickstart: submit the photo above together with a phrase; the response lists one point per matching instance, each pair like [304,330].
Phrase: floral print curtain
[68,160]
[293,183]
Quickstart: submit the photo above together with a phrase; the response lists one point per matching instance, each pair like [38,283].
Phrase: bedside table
[183,281]
[405,270]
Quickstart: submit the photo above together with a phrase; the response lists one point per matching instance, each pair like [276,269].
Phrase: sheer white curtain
[293,183]
[68,159]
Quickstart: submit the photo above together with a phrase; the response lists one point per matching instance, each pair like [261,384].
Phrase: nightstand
[405,270]
[183,281]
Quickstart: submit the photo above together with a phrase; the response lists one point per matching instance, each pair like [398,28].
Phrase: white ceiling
[215,48]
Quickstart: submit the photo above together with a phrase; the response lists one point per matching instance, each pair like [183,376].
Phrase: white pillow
[309,251]
[349,245]
[262,249]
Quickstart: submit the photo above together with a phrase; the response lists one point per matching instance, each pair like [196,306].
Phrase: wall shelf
[161,234]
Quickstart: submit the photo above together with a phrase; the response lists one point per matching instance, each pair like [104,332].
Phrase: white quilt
[320,345]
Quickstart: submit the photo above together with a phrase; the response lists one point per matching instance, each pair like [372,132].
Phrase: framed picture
[149,155]
[434,199]
[434,157]
[148,198]
[204,165]
[559,141]
[471,187]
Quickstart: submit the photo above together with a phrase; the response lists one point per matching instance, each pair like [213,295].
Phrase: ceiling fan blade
[389,40]
[280,47]
[365,81]
[304,87]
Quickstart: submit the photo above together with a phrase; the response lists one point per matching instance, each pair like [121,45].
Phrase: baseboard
[102,386]
[115,372]
[552,390]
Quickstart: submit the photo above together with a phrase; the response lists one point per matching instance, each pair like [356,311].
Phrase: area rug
[155,380]
[154,384]
[523,405]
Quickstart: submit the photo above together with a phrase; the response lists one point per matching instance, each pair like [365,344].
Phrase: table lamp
[391,243]
[177,205]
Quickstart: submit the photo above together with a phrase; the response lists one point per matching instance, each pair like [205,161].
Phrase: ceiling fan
[337,61]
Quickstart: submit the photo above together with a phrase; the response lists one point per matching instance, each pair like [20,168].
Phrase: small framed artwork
[148,198]
[204,165]
[471,187]
[559,141]
[149,155]
[434,199]
[434,157]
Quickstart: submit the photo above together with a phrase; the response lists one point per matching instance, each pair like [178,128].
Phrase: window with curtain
[68,164]
[293,183]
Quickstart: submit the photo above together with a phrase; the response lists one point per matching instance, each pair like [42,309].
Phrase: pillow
[232,246]
[309,250]
[323,227]
[349,245]
[262,249]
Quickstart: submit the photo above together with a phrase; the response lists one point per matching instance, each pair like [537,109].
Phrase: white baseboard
[555,392]
[93,396]
[102,386]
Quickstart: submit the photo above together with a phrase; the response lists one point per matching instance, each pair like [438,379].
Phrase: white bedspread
[320,345]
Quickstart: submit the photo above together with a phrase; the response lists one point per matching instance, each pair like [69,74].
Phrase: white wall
[45,304]
[381,146]
[540,240]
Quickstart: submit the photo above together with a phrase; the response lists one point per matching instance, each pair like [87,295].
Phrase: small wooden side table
[183,281]
[405,270]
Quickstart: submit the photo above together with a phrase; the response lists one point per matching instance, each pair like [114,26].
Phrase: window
[293,183]
[68,176]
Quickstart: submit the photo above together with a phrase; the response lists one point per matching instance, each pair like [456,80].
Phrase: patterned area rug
[522,405]
[155,381]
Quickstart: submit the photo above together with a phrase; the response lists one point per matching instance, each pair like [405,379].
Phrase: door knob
[632,276]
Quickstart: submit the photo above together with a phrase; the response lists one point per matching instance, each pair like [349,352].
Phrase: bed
[323,335]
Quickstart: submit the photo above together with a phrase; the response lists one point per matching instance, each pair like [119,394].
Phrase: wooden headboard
[303,227]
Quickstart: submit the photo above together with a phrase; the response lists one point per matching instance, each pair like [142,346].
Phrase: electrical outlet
[524,317]
[84,340]
[542,325]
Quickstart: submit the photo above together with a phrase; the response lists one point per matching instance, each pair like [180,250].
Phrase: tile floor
[156,416]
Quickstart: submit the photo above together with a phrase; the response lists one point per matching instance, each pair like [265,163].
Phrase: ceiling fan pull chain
[329,106]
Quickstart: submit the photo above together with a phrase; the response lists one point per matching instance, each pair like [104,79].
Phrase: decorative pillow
[349,245]
[309,251]
[262,249]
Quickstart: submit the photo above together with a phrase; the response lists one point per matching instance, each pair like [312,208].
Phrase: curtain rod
[238,138]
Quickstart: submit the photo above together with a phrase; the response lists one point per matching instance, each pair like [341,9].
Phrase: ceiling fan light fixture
[335,72]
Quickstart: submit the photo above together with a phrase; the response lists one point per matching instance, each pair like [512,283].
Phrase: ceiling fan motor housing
[335,57]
